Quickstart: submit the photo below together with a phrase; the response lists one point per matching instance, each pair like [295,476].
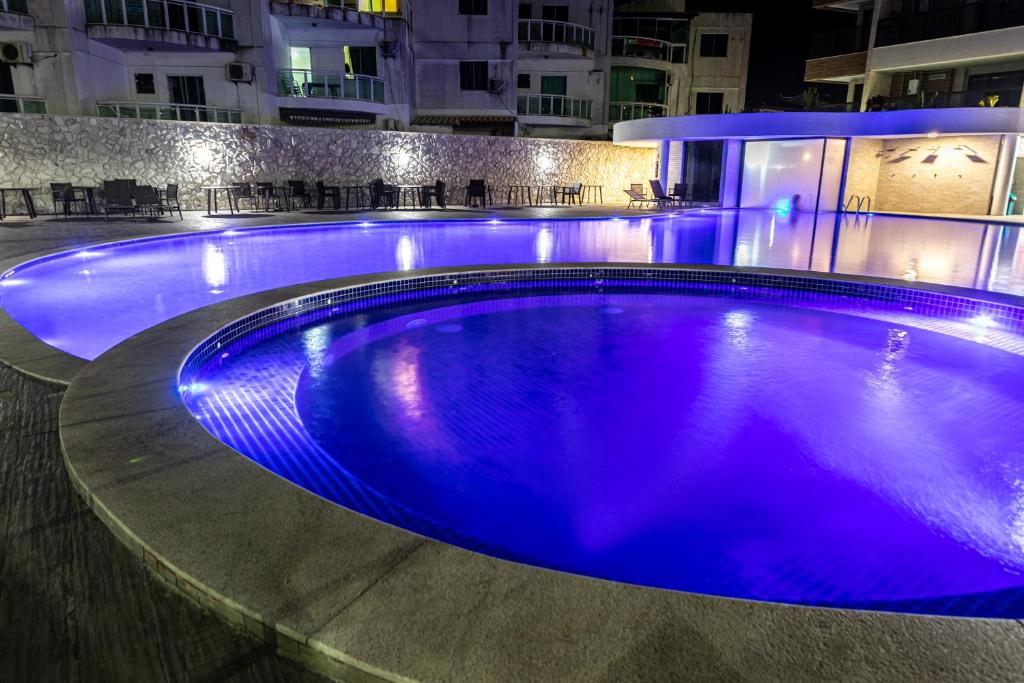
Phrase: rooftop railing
[16,104]
[948,100]
[562,32]
[554,105]
[648,48]
[176,15]
[843,42]
[628,111]
[334,85]
[16,6]
[949,20]
[166,111]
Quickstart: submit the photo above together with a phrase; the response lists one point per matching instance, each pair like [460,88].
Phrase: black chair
[477,189]
[117,198]
[299,191]
[635,197]
[679,193]
[383,195]
[268,192]
[325,191]
[572,193]
[68,197]
[638,188]
[147,201]
[437,192]
[170,200]
[659,196]
[240,191]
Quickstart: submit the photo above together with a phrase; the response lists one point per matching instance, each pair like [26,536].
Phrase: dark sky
[782,35]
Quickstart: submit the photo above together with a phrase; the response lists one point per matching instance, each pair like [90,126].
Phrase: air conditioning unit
[495,85]
[240,72]
[389,48]
[15,53]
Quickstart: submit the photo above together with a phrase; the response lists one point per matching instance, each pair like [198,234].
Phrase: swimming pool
[731,440]
[87,301]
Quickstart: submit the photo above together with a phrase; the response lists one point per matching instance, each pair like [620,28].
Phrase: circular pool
[743,441]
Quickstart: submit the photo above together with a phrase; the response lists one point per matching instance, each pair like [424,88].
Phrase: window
[552,85]
[525,10]
[472,6]
[299,58]
[555,12]
[187,90]
[473,75]
[714,45]
[709,102]
[361,60]
[144,84]
[523,82]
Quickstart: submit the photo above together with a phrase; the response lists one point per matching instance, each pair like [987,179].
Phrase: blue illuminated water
[86,302]
[732,446]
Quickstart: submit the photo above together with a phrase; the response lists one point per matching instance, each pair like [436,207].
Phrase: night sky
[782,35]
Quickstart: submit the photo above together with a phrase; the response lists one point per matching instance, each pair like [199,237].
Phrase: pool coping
[360,599]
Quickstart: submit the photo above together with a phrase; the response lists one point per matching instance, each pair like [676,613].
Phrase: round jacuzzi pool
[744,441]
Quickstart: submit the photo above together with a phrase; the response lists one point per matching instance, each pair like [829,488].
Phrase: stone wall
[37,150]
[922,175]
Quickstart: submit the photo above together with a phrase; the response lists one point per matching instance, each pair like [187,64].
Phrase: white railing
[545,31]
[644,48]
[15,104]
[164,111]
[176,15]
[628,111]
[16,6]
[554,105]
[334,85]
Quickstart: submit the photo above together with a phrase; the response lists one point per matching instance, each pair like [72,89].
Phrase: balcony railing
[17,6]
[15,104]
[164,111]
[369,6]
[544,31]
[332,85]
[947,100]
[628,111]
[952,20]
[844,42]
[190,17]
[648,48]
[554,105]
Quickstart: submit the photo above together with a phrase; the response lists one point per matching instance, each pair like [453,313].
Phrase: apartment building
[568,69]
[908,54]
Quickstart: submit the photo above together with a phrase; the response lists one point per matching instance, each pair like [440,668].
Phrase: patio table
[518,193]
[211,198]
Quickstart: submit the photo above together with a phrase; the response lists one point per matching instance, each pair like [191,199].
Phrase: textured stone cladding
[940,175]
[37,150]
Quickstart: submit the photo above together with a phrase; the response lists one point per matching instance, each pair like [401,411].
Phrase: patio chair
[572,193]
[147,201]
[68,197]
[240,191]
[639,189]
[325,191]
[636,198]
[170,200]
[299,191]
[477,189]
[658,194]
[383,195]
[437,192]
[267,192]
[117,198]
[679,193]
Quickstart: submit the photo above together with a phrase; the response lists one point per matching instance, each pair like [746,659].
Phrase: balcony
[165,111]
[14,16]
[333,10]
[330,85]
[953,20]
[629,111]
[165,24]
[556,106]
[16,104]
[561,37]
[949,100]
[638,47]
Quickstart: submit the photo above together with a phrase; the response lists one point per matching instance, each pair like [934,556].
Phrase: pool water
[727,446]
[86,302]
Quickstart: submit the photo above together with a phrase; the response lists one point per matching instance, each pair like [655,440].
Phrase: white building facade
[466,66]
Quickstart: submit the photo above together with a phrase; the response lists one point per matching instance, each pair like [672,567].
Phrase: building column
[1003,179]
[732,173]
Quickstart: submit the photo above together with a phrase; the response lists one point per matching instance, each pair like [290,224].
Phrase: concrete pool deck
[362,600]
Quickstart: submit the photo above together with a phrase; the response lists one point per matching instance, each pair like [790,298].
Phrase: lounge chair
[383,195]
[658,195]
[572,193]
[299,191]
[679,193]
[170,200]
[325,191]
[117,198]
[68,197]
[147,201]
[437,192]
[477,189]
[635,197]
[639,189]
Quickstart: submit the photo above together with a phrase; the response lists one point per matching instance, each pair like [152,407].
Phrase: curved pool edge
[353,597]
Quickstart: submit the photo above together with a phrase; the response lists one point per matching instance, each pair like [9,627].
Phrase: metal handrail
[861,202]
[548,31]
[662,47]
[176,15]
[14,6]
[554,105]
[628,111]
[23,105]
[333,85]
[169,111]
